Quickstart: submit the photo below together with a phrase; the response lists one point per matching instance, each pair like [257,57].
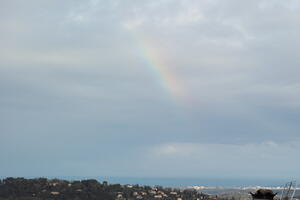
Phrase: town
[55,189]
[91,189]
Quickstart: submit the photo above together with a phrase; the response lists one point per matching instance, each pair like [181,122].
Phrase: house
[55,193]
[158,196]
[152,192]
[143,193]
[135,194]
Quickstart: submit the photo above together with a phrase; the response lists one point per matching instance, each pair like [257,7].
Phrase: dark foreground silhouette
[55,189]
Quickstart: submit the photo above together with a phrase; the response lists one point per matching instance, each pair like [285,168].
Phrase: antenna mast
[288,191]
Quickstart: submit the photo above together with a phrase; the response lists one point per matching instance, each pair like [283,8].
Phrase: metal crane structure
[288,191]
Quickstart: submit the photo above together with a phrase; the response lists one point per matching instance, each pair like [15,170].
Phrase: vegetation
[55,189]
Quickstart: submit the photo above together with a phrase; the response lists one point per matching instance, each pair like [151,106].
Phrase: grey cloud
[75,70]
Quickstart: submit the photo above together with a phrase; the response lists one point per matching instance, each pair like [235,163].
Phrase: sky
[143,88]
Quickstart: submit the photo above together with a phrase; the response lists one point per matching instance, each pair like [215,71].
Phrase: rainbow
[157,60]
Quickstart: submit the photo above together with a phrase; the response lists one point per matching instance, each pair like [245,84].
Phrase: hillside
[55,189]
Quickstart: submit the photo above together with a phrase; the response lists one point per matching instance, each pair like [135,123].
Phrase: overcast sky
[144,88]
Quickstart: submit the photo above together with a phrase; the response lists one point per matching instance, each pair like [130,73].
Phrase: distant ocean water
[176,182]
[181,182]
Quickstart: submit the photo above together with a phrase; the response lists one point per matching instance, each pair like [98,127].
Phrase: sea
[176,182]
[180,182]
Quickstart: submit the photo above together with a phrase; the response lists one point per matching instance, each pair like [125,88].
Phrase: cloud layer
[77,86]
